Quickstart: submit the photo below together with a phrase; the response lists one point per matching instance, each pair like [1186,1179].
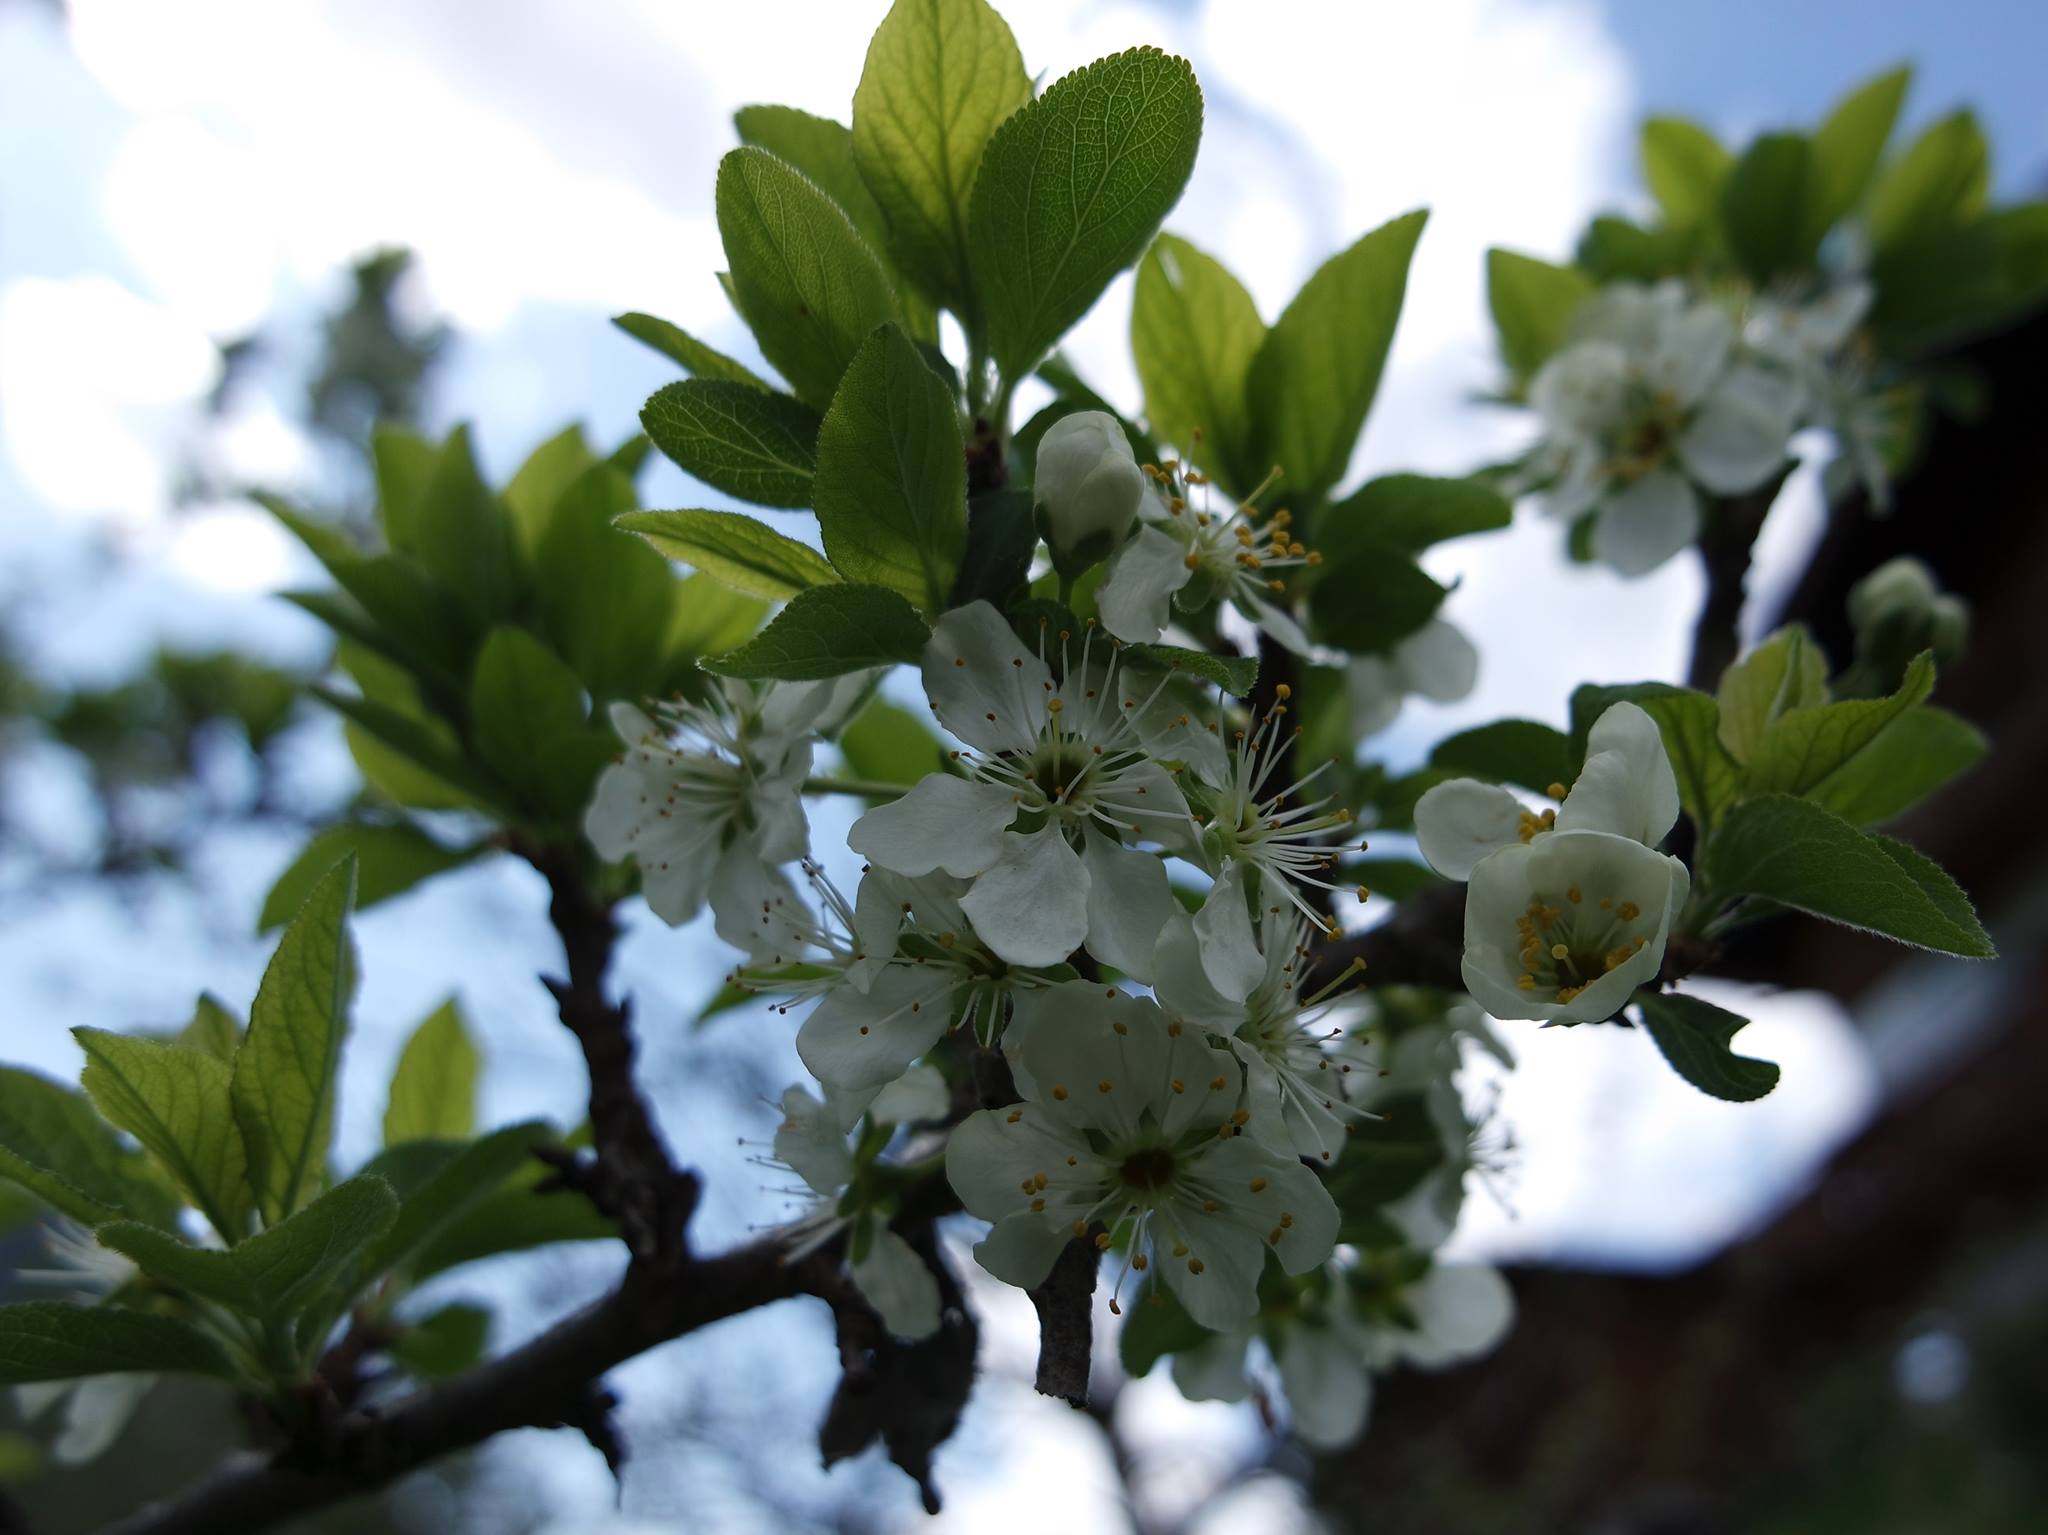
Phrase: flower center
[1566,948]
[1147,1170]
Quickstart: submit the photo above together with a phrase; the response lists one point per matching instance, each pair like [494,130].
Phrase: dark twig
[1066,1323]
[1422,944]
[1726,540]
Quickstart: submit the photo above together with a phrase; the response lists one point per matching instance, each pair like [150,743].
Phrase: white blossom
[1086,480]
[708,800]
[1133,1122]
[1566,911]
[1061,780]
[95,1408]
[1437,662]
[1192,556]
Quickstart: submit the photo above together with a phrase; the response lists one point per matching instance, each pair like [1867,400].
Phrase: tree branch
[1726,540]
[1066,1323]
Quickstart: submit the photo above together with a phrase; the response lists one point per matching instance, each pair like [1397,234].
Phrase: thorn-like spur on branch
[1066,1323]
[551,1381]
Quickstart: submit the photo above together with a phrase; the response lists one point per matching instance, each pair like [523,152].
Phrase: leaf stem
[866,788]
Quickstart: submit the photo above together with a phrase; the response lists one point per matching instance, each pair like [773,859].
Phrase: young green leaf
[1384,1159]
[176,1101]
[1410,512]
[404,463]
[1507,751]
[390,859]
[1708,778]
[1532,303]
[1373,598]
[533,492]
[940,76]
[433,1087]
[462,535]
[1071,188]
[686,351]
[709,620]
[412,758]
[1194,332]
[214,1029]
[747,442]
[1763,206]
[886,743]
[275,1274]
[1941,182]
[1314,378]
[734,549]
[1847,148]
[1236,675]
[468,1178]
[606,600]
[1793,852]
[1803,748]
[1158,1325]
[528,723]
[282,1089]
[54,1145]
[891,488]
[801,274]
[1787,671]
[1912,757]
[829,631]
[1685,166]
[445,1342]
[52,1340]
[1694,1036]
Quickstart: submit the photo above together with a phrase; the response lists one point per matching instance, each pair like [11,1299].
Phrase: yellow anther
[1217,1083]
[1574,895]
[1527,983]
[1194,1265]
[1629,911]
[1258,1185]
[1559,951]
[1104,1085]
[1555,791]
[1102,1241]
[1059,1095]
[1015,1115]
[1140,1262]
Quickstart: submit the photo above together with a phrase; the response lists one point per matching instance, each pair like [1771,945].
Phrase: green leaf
[1941,182]
[1908,760]
[1373,598]
[404,463]
[1002,536]
[1313,381]
[1763,206]
[1614,250]
[1071,189]
[528,723]
[532,493]
[1847,148]
[512,1219]
[465,1181]
[390,859]
[214,1029]
[1383,1159]
[1158,1325]
[891,489]
[940,76]
[687,352]
[1793,852]
[416,761]
[54,1145]
[398,608]
[1410,512]
[1532,303]
[445,1342]
[747,442]
[1708,778]
[1194,332]
[1694,1037]
[277,1273]
[433,1088]
[1803,748]
[606,600]
[282,1090]
[709,619]
[734,549]
[1685,166]
[1236,675]
[1787,671]
[801,274]
[1507,751]
[1391,879]
[51,1340]
[886,743]
[829,631]
[176,1101]
[462,535]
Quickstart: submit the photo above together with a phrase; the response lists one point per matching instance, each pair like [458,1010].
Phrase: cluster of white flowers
[1664,395]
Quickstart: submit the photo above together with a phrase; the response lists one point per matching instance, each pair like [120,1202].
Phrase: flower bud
[1087,483]
[1898,611]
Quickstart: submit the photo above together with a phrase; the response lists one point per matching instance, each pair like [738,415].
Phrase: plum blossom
[93,1409]
[1651,404]
[1133,1123]
[1190,556]
[1436,662]
[1060,779]
[708,799]
[1566,911]
[1086,482]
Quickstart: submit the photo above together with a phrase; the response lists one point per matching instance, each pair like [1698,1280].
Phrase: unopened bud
[1087,483]
[1898,611]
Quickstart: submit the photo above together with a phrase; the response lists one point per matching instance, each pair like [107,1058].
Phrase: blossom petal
[1257,1188]
[96,1410]
[1031,906]
[1464,821]
[776,800]
[898,1285]
[1091,1056]
[1128,903]
[1689,352]
[1230,949]
[1627,785]
[949,823]
[1135,599]
[989,1154]
[1182,985]
[1021,1249]
[811,1143]
[1739,436]
[920,1094]
[1372,686]
[1213,1370]
[1274,619]
[854,1039]
[983,684]
[1328,1389]
[1641,527]
[754,907]
[1438,662]
[1223,1293]
[1462,1310]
